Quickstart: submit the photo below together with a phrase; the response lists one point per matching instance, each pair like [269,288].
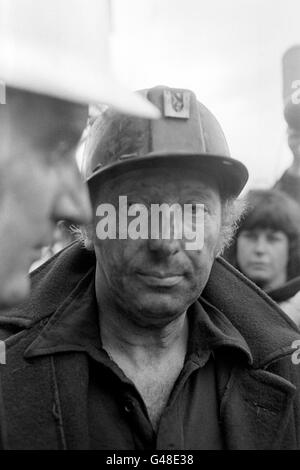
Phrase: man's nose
[165,242]
[74,205]
[162,247]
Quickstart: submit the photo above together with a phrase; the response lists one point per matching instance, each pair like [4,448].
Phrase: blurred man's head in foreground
[40,181]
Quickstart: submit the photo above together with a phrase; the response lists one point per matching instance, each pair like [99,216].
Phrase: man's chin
[158,314]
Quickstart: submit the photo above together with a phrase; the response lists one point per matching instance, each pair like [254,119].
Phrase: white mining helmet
[61,48]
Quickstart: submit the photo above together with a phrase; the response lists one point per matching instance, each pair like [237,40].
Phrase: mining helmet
[187,135]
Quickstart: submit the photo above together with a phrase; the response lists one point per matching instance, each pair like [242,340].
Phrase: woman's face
[263,255]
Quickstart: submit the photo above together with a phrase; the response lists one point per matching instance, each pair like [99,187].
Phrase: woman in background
[266,248]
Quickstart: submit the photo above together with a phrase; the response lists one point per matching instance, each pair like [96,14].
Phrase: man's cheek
[204,262]
[198,269]
[113,257]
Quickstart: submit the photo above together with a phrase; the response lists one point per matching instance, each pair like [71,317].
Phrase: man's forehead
[162,182]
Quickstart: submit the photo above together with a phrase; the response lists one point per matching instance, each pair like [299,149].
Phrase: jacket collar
[75,327]
[267,330]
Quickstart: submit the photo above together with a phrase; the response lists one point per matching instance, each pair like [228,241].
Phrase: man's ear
[89,238]
[223,241]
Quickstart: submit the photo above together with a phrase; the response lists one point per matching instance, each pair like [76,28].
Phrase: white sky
[229,52]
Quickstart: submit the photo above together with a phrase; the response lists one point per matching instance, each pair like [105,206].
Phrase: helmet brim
[231,175]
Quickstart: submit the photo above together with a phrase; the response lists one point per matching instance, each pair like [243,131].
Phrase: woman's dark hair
[271,209]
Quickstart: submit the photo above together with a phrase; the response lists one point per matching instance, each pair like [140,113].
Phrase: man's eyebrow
[137,190]
[197,193]
[141,188]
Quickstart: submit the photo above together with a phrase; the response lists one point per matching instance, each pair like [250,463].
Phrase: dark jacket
[259,403]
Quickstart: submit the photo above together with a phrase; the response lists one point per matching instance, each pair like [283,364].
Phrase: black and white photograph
[149,228]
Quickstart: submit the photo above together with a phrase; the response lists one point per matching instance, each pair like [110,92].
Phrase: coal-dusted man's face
[155,279]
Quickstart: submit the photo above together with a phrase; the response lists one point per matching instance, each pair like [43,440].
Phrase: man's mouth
[160,279]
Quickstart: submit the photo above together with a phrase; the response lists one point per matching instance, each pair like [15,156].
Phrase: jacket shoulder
[268,331]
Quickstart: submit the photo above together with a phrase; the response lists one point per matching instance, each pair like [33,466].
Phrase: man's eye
[200,209]
[194,208]
[135,206]
[194,214]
